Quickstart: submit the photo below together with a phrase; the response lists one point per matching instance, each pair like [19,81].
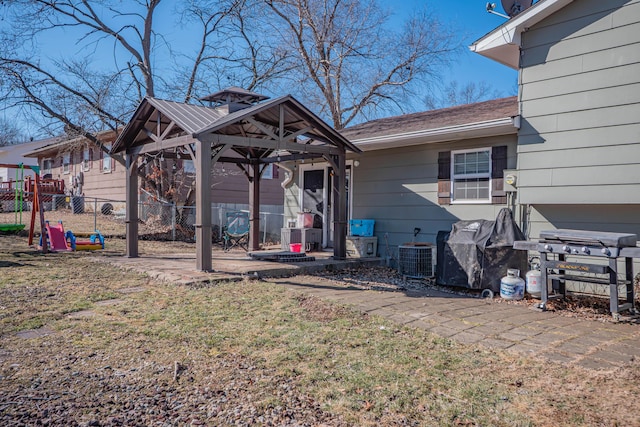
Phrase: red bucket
[295,247]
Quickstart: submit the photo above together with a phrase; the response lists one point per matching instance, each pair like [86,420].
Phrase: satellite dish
[514,7]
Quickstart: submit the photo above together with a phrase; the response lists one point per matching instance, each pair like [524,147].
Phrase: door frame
[327,226]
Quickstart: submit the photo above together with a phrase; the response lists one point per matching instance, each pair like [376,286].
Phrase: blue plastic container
[361,227]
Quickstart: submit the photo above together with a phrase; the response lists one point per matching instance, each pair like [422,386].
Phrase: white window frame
[106,159]
[47,170]
[86,159]
[481,175]
[66,163]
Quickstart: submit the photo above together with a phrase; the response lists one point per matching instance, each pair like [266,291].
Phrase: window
[106,159]
[86,159]
[47,166]
[188,167]
[66,162]
[267,172]
[471,175]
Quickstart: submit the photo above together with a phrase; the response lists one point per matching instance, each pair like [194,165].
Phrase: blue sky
[472,21]
[468,18]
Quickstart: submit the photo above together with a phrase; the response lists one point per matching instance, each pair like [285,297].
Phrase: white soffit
[503,43]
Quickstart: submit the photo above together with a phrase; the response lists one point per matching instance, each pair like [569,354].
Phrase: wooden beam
[203,206]
[269,144]
[131,215]
[293,136]
[263,128]
[291,157]
[152,147]
[340,208]
[254,208]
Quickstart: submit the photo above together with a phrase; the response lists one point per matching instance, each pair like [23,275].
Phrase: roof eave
[504,126]
[503,44]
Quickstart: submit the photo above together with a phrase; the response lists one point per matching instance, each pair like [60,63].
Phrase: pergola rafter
[272,131]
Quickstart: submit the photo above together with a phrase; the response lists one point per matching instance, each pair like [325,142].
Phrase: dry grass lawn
[82,343]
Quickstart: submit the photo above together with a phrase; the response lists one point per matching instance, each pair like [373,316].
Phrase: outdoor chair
[236,230]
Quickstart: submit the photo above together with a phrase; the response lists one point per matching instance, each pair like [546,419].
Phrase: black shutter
[498,165]
[444,178]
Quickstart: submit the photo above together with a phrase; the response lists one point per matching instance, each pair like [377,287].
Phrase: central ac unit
[417,260]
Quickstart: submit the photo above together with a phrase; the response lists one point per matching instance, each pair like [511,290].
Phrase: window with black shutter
[472,175]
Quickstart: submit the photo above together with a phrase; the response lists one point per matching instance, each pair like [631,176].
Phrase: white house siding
[398,188]
[579,142]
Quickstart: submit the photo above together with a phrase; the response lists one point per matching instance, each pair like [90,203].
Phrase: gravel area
[87,390]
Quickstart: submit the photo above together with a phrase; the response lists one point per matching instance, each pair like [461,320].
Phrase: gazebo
[239,127]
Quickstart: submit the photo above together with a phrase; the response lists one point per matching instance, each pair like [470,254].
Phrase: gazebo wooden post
[131,218]
[340,207]
[203,206]
[254,208]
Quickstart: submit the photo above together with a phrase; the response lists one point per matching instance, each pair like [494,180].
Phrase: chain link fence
[158,220]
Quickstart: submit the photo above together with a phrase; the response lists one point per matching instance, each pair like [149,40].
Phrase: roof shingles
[495,109]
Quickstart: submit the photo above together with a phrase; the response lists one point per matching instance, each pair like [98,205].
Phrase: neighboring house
[579,141]
[85,169]
[15,154]
[418,171]
[90,171]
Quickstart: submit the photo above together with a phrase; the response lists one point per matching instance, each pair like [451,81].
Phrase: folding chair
[236,230]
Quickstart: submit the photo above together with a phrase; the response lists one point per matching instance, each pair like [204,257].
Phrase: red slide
[57,239]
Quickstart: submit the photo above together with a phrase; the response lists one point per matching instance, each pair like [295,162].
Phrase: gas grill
[559,250]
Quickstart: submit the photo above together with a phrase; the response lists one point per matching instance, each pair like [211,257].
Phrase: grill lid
[584,237]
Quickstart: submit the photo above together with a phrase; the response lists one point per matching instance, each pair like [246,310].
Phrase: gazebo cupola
[232,99]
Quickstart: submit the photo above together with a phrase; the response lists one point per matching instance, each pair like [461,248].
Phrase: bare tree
[350,62]
[10,134]
[453,94]
[85,92]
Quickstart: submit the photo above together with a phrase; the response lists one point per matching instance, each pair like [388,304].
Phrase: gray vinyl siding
[579,142]
[398,188]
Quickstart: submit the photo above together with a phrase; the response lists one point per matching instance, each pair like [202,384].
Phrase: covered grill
[477,253]
[555,246]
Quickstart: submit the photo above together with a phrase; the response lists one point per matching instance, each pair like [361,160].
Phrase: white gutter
[505,126]
[503,43]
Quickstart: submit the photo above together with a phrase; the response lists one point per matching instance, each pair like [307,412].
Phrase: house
[15,154]
[570,141]
[84,168]
[578,151]
[421,171]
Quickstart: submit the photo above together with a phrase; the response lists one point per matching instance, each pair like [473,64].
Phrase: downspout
[289,176]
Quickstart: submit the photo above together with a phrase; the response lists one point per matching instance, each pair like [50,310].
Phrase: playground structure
[15,193]
[12,199]
[95,242]
[15,190]
[61,240]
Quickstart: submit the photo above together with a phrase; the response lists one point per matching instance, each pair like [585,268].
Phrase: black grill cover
[476,254]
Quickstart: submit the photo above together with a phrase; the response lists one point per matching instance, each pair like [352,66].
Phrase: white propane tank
[534,283]
[512,285]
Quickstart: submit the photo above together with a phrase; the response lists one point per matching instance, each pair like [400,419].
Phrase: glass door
[317,198]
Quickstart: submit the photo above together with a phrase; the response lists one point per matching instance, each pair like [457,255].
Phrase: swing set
[19,193]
